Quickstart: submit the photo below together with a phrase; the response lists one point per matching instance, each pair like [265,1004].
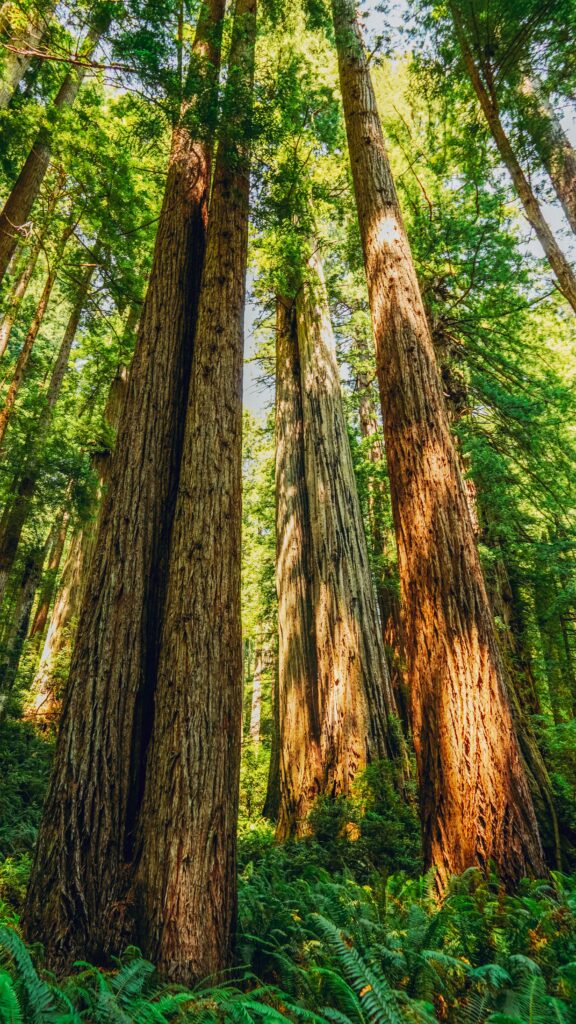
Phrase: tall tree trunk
[21,284]
[387,592]
[553,147]
[17,208]
[15,64]
[256,699]
[20,622]
[49,582]
[271,806]
[186,885]
[107,713]
[44,703]
[489,104]
[296,714]
[475,802]
[14,516]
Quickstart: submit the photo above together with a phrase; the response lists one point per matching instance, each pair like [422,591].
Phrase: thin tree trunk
[21,285]
[17,208]
[187,878]
[107,714]
[553,147]
[15,65]
[49,582]
[475,801]
[19,628]
[14,517]
[256,701]
[24,355]
[271,806]
[44,703]
[487,99]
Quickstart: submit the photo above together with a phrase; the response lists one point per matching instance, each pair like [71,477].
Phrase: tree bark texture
[14,218]
[186,883]
[486,96]
[475,802]
[86,842]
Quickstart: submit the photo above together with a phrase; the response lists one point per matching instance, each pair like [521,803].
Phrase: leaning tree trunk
[15,215]
[553,147]
[487,99]
[186,885]
[20,38]
[475,801]
[106,719]
[21,284]
[16,512]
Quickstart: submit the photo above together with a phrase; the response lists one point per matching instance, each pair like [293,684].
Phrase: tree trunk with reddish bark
[107,715]
[475,801]
[186,883]
[49,582]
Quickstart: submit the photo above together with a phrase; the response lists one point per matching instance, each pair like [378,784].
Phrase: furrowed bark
[186,885]
[15,216]
[558,262]
[86,842]
[475,802]
[296,712]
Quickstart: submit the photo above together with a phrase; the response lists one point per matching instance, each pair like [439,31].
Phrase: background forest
[288,681]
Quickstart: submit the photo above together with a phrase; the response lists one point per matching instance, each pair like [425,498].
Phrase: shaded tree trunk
[296,715]
[256,700]
[387,592]
[49,582]
[475,801]
[21,285]
[19,628]
[487,98]
[44,702]
[107,715]
[554,148]
[14,516]
[271,806]
[186,886]
[17,208]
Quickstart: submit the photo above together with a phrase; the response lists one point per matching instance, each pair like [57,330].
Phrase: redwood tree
[186,883]
[475,802]
[83,857]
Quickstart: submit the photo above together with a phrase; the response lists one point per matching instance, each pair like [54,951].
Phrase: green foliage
[24,765]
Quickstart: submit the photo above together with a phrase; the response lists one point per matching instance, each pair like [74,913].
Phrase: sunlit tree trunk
[475,801]
[15,513]
[15,216]
[107,713]
[21,37]
[553,146]
[186,886]
[532,210]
